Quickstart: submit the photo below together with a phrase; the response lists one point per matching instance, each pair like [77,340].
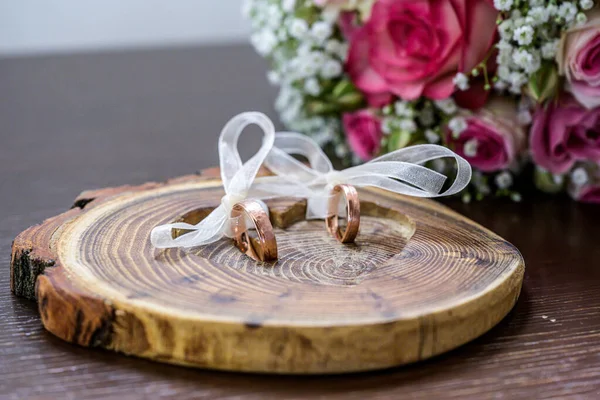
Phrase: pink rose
[578,58]
[492,139]
[412,48]
[563,133]
[588,194]
[363,132]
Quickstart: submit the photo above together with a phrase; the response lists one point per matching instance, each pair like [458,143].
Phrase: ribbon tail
[207,231]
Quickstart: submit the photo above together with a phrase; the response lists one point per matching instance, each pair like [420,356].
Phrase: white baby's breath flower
[402,109]
[520,21]
[387,125]
[341,150]
[300,68]
[331,69]
[273,78]
[549,49]
[333,46]
[470,148]
[247,8]
[431,136]
[552,10]
[503,180]
[524,117]
[330,14]
[439,165]
[264,42]
[304,49]
[307,69]
[523,35]
[558,179]
[539,15]
[461,81]
[317,58]
[517,80]
[312,87]
[506,29]
[288,5]
[579,176]
[426,117]
[504,57]
[586,4]
[448,105]
[273,16]
[567,11]
[528,61]
[298,28]
[323,136]
[580,19]
[503,5]
[320,31]
[457,125]
[500,86]
[282,35]
[504,72]
[287,95]
[536,62]
[504,45]
[343,51]
[407,125]
[337,48]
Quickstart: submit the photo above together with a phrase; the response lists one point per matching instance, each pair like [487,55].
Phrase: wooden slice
[420,280]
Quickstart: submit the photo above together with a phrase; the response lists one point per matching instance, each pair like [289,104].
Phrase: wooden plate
[421,280]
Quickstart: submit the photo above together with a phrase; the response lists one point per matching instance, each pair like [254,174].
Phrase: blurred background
[30,27]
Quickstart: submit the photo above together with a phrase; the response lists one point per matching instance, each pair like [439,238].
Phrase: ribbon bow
[237,179]
[399,171]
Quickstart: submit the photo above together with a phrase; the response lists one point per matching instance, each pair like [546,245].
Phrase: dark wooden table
[69,123]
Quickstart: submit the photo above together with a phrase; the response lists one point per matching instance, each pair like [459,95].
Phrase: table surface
[75,122]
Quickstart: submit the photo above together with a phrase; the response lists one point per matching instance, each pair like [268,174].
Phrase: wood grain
[408,289]
[93,120]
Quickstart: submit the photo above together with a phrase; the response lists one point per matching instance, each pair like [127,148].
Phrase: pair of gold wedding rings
[263,247]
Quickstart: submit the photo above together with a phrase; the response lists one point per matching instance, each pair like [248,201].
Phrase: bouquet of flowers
[504,83]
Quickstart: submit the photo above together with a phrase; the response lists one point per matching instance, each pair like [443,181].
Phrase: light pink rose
[363,133]
[578,58]
[414,48]
[493,138]
[564,132]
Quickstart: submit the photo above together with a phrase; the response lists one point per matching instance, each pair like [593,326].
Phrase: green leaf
[544,83]
[545,181]
[342,88]
[398,140]
[318,107]
[350,101]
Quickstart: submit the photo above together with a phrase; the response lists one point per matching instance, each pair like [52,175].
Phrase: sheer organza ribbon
[237,180]
[400,171]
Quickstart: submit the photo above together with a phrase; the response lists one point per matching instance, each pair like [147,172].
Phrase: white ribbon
[399,171]
[237,179]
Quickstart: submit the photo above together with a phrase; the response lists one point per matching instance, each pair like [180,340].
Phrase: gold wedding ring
[264,246]
[348,234]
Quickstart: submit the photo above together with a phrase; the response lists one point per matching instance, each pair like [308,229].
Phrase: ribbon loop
[237,179]
[401,171]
